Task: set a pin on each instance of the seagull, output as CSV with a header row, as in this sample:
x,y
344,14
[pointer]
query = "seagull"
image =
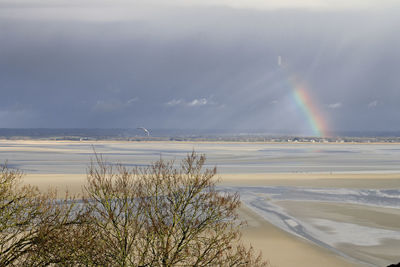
x,y
145,130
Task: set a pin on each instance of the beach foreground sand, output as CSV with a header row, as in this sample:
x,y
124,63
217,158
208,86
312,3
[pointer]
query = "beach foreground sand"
x,y
354,215
299,199
322,180
281,248
74,182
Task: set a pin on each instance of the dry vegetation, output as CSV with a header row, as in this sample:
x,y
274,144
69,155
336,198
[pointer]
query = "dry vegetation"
x,y
155,216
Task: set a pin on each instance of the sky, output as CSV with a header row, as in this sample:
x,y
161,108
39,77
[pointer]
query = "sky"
x,y
210,64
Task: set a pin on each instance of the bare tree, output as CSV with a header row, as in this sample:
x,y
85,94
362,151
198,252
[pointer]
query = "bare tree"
x,y
165,216
28,220
19,211
161,215
115,199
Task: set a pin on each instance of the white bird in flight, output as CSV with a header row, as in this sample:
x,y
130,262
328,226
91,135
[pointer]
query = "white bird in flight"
x,y
145,130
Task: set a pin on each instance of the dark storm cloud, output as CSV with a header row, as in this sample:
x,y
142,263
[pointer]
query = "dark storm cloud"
x,y
196,66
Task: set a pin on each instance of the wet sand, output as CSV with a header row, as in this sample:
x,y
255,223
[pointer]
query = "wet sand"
x,y
71,183
282,248
236,158
335,166
369,234
322,180
74,182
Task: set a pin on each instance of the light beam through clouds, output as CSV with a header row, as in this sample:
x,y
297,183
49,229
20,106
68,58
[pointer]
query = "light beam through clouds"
x,y
96,63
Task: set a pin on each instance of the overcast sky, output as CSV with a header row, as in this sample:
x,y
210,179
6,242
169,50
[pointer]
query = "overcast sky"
x,y
209,64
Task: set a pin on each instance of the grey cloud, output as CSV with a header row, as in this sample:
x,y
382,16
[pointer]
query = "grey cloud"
x,y
373,104
85,70
335,105
307,4
14,118
197,102
118,8
174,102
132,100
109,105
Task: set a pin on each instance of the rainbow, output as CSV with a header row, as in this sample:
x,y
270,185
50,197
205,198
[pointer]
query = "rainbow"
x,y
307,105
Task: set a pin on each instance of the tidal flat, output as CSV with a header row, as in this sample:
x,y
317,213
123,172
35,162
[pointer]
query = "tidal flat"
x,y
306,204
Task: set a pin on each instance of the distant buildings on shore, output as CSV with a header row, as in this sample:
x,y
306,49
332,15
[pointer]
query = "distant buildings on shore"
x,y
260,139
82,135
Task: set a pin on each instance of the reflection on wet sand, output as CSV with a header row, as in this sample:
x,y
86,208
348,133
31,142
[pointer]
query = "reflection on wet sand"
x,y
336,203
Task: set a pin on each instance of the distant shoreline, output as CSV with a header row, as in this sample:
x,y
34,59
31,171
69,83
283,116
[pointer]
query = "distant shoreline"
x,y
193,135
196,141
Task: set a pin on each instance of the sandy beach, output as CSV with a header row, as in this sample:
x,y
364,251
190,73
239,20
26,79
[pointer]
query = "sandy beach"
x,y
380,250
283,249
278,246
351,224
298,199
330,180
74,182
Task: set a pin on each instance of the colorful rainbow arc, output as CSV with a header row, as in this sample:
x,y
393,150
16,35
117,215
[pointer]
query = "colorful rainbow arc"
x,y
306,104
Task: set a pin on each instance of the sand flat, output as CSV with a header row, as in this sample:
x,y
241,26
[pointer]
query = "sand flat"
x,y
385,218
280,247
283,249
366,233
73,156
330,180
342,180
62,165
361,225
71,183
